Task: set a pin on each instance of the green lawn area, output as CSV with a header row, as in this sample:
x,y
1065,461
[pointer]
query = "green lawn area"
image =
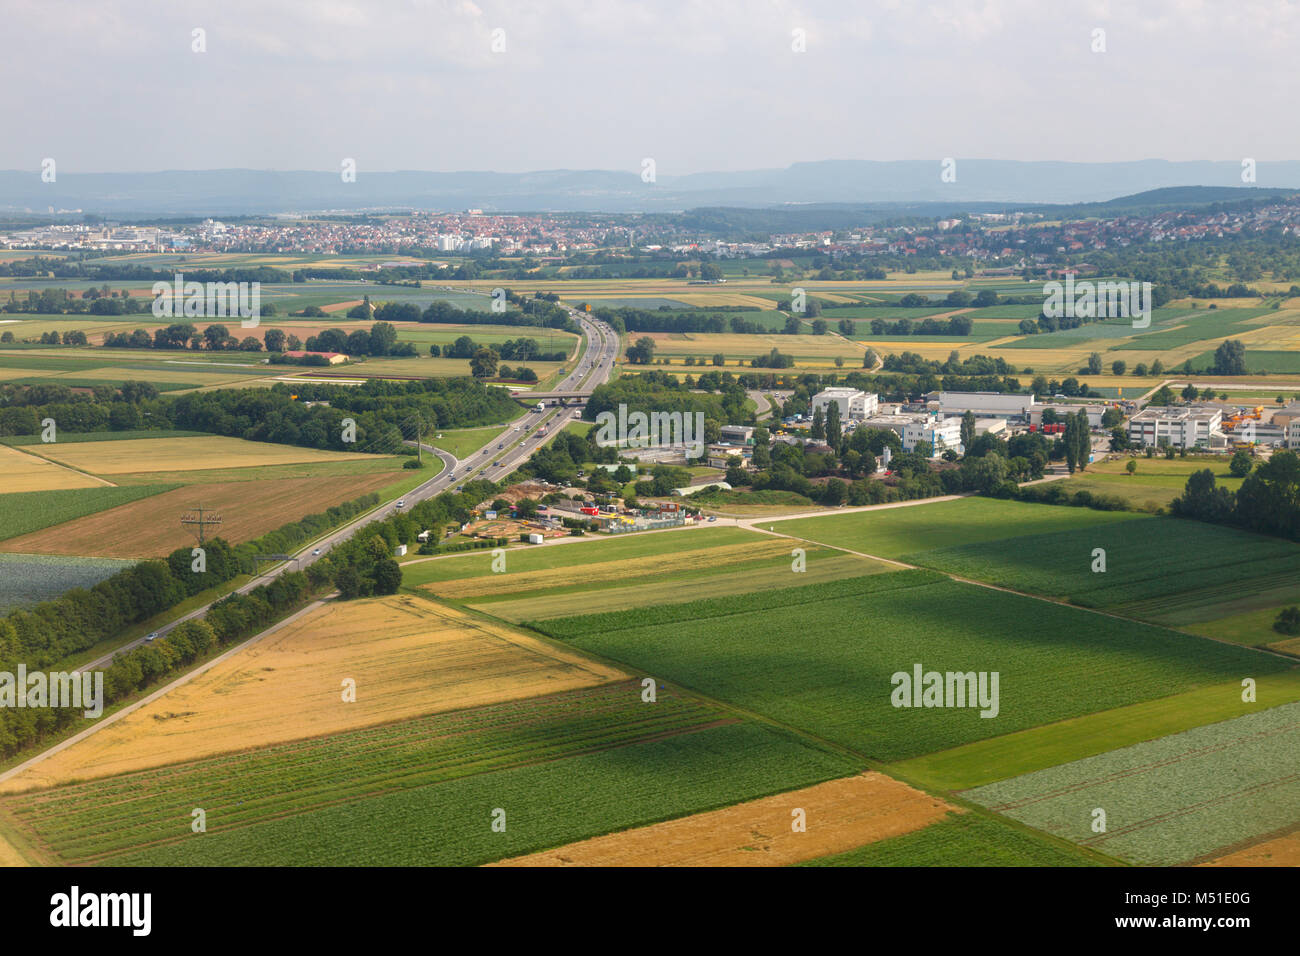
x,y
821,658
894,532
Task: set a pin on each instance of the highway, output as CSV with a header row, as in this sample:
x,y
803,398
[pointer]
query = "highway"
x,y
498,457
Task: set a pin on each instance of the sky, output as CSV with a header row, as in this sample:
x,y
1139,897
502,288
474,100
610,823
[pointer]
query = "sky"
x,y
716,85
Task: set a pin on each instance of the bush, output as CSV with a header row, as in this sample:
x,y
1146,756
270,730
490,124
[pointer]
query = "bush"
x,y
1288,622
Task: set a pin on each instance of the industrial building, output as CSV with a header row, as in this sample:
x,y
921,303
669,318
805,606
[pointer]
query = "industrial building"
x,y
987,404
854,405
1181,427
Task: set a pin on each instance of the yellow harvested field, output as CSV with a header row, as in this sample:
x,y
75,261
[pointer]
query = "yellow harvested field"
x,y
9,855
183,454
1282,851
840,815
407,656
589,574
20,471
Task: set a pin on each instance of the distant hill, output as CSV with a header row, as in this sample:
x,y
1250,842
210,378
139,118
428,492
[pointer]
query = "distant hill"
x,y
230,192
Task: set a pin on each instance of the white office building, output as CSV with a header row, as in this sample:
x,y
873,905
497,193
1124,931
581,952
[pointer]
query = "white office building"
x,y
1181,427
854,405
941,433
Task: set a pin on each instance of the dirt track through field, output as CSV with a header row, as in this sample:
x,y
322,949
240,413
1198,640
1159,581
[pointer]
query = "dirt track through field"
x,y
841,815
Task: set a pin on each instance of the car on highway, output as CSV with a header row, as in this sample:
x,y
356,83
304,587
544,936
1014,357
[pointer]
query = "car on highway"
x,y
315,553
401,503
501,445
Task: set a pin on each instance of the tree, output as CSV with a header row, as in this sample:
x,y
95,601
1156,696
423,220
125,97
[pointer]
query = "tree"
x,y
214,336
1190,392
818,431
1241,464
383,337
1202,499
483,364
719,359
348,582
968,429
388,576
1288,621
1118,367
833,429
1132,466
274,340
1230,358
642,353
1094,364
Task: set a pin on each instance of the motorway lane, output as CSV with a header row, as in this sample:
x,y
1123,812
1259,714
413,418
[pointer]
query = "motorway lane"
x,y
593,369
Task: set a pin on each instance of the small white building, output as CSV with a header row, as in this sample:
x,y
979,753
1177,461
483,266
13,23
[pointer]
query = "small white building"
x,y
853,404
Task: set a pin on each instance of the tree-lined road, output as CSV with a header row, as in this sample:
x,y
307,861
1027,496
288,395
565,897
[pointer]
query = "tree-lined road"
x,y
498,457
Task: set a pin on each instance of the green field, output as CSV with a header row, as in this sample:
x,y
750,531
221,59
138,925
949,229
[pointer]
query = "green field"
x,y
894,532
966,839
27,579
421,792
575,554
1167,570
1171,800
987,761
820,658
26,511
1193,327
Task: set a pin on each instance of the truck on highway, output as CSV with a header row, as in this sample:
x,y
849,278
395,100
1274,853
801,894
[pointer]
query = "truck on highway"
x,y
542,431
541,406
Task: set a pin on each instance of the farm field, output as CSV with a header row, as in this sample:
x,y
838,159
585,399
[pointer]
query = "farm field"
x,y
820,658
576,553
823,565
24,471
1168,570
151,527
27,579
1156,482
183,454
840,814
605,572
963,839
987,761
422,791
894,532
24,512
1282,851
1171,800
408,657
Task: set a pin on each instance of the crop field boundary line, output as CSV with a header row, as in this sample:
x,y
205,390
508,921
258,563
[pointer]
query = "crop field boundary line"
x,y
820,743
1280,655
178,682
59,464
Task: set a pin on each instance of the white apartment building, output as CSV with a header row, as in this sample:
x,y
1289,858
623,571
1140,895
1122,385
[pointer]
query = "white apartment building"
x,y
854,405
1293,434
1181,427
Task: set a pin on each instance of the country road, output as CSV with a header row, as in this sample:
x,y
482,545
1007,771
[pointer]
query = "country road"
x,y
498,457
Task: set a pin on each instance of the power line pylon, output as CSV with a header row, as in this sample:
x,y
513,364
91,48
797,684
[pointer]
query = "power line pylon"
x,y
202,519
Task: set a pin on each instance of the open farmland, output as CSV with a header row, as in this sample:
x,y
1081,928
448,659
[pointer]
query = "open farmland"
x,y
1281,851
1171,800
151,527
965,839
24,471
408,657
1037,748
894,532
821,658
182,454
27,579
422,791
692,583
26,511
840,814
1167,570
